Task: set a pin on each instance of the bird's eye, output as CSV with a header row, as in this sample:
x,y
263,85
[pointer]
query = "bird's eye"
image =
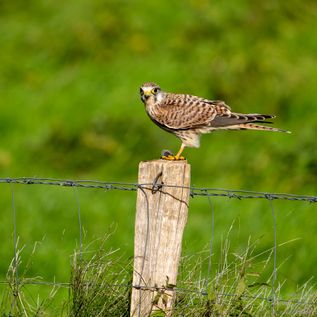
x,y
155,90
141,91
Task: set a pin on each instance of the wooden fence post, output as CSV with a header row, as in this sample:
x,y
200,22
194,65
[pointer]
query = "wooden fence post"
x,y
161,216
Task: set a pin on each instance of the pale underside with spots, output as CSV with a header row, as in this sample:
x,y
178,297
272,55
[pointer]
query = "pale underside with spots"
x,y
187,116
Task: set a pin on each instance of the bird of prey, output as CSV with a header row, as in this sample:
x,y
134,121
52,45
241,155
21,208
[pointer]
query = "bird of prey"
x,y
187,116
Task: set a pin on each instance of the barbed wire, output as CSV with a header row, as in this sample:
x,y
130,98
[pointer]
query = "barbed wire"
x,y
177,290
194,191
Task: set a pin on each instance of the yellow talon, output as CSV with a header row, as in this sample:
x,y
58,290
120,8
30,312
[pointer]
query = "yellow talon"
x,y
173,158
168,155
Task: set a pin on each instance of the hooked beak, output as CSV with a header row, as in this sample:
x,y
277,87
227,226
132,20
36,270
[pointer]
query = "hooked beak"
x,y
144,98
146,94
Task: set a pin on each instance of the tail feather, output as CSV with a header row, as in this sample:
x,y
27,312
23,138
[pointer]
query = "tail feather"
x,y
239,121
234,118
253,126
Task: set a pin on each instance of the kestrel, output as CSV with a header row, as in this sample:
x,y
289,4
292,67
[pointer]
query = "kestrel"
x,y
187,116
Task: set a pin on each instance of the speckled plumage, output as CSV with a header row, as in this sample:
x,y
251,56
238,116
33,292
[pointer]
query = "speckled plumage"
x,y
188,116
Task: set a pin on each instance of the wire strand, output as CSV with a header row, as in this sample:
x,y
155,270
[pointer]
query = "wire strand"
x,y
194,191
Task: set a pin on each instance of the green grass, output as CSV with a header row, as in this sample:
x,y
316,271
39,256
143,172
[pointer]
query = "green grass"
x,y
100,285
69,79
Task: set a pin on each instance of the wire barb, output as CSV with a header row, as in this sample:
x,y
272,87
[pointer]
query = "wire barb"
x,y
157,186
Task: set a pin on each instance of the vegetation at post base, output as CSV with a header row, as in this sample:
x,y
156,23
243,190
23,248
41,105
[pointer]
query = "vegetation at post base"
x,y
100,285
70,109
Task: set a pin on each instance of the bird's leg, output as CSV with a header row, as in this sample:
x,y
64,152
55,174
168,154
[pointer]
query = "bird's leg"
x,y
176,157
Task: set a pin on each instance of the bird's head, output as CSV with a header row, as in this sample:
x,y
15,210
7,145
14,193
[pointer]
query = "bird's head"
x,y
150,92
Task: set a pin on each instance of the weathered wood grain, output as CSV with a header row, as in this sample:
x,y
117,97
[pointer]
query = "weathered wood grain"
x,y
161,216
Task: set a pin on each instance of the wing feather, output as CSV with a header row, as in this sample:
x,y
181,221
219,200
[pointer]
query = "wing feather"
x,y
183,112
179,111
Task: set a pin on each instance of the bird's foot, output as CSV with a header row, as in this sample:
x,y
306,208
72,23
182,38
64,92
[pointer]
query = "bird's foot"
x,y
169,156
172,158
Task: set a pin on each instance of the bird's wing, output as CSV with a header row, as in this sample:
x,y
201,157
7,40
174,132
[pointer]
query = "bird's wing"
x,y
190,112
179,111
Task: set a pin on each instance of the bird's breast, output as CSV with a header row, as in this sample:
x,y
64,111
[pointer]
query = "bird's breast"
x,y
154,110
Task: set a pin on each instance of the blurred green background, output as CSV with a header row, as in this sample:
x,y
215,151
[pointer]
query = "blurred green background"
x,y
69,81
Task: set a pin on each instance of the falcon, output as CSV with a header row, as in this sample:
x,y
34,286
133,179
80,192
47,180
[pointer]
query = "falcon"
x,y
187,116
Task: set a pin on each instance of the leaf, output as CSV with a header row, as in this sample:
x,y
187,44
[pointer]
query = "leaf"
x,y
156,299
241,287
258,284
158,313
